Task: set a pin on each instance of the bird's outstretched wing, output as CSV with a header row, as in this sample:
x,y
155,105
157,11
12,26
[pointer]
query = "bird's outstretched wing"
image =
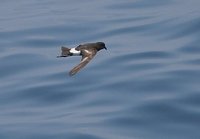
x,y
87,55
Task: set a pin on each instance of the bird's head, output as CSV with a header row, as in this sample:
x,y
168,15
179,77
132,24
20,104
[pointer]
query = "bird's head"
x,y
101,45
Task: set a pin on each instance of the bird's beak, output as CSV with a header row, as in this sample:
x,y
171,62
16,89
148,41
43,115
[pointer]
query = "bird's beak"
x,y
105,48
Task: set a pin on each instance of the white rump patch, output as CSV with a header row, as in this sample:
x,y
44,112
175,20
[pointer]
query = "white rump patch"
x,y
74,51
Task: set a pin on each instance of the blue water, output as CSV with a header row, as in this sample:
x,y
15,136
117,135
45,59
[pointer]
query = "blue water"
x,y
145,86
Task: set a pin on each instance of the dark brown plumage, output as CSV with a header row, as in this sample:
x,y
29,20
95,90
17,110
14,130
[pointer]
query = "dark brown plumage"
x,y
87,51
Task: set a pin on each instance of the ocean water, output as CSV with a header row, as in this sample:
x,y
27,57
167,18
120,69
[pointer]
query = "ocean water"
x,y
145,86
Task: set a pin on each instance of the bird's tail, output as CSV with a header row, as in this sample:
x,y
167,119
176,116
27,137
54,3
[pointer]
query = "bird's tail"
x,y
65,52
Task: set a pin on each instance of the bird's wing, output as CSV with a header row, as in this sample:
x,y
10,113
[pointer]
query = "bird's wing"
x,y
87,55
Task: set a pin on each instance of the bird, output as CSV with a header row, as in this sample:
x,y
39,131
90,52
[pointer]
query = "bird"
x,y
87,51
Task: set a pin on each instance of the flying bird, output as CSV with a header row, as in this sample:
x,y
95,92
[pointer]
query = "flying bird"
x,y
87,51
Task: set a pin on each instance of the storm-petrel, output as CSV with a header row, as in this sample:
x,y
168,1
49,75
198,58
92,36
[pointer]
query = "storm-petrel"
x,y
87,51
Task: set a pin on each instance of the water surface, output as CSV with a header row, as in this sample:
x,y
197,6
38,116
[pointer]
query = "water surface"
x,y
146,86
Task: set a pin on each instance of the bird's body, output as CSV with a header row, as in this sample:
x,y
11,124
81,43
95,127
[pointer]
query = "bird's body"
x,y
75,52
87,51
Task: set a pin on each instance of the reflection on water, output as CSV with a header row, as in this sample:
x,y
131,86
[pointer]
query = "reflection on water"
x,y
145,86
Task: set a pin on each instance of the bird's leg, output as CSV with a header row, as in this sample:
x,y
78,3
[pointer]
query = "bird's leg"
x,y
61,56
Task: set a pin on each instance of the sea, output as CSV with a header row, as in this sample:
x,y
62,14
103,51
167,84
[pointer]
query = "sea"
x,y
145,86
